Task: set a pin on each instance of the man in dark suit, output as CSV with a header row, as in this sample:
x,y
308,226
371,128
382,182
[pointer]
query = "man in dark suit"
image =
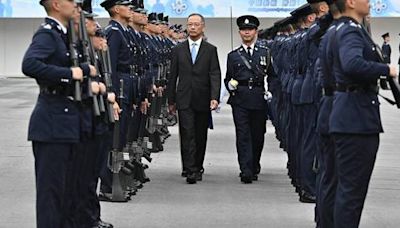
x,y
195,67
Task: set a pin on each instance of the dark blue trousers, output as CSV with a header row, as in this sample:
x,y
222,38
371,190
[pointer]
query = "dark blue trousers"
x,y
53,166
102,148
297,141
85,168
130,95
105,172
250,128
328,181
308,176
355,159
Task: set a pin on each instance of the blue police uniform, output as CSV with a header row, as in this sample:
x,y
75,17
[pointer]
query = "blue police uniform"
x,y
118,40
138,56
326,146
54,127
310,112
248,104
355,119
275,52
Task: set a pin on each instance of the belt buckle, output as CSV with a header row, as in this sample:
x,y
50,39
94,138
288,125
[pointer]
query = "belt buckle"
x,y
132,70
251,83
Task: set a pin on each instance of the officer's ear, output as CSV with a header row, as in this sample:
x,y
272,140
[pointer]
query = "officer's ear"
x,y
323,7
351,4
116,9
55,5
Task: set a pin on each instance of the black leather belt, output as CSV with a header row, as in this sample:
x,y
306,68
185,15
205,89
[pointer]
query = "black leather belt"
x,y
54,91
357,88
250,83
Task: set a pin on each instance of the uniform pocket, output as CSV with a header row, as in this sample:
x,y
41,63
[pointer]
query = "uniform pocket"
x,y
65,126
367,100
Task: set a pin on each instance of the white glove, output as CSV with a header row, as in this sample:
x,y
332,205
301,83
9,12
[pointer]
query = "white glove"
x,y
267,96
232,84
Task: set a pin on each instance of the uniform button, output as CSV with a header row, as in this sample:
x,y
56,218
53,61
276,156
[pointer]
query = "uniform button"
x,y
66,110
373,102
250,61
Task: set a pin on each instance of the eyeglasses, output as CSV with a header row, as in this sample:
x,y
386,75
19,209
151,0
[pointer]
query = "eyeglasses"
x,y
194,24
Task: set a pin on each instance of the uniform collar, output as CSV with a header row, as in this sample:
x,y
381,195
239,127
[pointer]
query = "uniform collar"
x,y
251,46
60,26
122,26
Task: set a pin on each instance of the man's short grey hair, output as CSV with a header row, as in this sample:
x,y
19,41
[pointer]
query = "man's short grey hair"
x,y
197,14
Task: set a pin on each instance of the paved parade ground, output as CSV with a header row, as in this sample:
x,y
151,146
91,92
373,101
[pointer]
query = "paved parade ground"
x,y
220,200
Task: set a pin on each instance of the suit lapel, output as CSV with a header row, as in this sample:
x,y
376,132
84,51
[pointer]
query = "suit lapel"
x,y
187,50
201,51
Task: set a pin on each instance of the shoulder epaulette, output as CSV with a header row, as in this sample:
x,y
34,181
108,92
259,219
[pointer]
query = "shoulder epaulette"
x,y
354,24
340,26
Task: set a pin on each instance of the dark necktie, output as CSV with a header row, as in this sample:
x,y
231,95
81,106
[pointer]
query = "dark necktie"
x,y
249,51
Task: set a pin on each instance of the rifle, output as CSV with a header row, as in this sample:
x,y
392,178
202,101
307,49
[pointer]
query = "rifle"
x,y
93,53
134,170
164,102
141,149
116,160
152,120
106,69
84,39
73,49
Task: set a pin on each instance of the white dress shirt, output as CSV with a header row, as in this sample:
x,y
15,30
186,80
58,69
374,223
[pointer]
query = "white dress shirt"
x,y
198,42
251,46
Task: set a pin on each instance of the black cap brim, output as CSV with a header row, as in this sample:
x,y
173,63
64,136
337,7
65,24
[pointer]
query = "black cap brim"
x,y
248,26
90,15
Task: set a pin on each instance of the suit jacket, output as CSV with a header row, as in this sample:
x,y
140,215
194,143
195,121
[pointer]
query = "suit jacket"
x,y
194,85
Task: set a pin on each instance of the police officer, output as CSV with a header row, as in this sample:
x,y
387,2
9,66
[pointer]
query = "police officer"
x,y
304,17
155,53
94,131
247,67
54,124
309,99
139,57
120,50
386,50
355,119
327,166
